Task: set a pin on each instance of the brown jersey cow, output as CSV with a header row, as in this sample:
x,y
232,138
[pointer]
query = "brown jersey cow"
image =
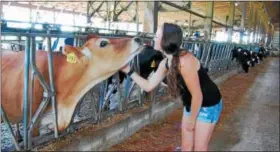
x,y
96,60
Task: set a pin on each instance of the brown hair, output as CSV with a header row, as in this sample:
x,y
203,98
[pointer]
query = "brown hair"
x,y
171,41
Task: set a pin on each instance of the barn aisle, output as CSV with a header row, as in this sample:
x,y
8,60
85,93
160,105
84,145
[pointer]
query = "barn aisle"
x,y
254,126
249,121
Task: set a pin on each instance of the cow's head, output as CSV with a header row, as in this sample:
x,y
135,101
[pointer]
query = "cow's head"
x,y
105,53
95,61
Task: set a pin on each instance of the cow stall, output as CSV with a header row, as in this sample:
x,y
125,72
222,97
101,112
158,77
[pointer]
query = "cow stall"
x,y
49,93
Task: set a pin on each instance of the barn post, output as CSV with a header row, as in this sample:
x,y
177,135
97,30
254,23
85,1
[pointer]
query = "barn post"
x,y
230,21
255,15
19,42
151,16
269,35
243,19
209,7
150,26
137,17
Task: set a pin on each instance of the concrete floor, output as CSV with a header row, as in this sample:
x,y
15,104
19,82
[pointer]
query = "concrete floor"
x,y
254,126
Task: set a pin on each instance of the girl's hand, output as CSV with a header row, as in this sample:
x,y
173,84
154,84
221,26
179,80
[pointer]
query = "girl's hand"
x,y
125,68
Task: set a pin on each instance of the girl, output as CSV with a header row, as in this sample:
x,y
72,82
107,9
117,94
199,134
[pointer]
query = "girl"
x,y
187,80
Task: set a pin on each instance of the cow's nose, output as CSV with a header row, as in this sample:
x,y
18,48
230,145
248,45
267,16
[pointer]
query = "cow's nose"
x,y
138,40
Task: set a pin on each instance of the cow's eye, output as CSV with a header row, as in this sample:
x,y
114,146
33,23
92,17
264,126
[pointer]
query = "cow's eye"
x,y
103,43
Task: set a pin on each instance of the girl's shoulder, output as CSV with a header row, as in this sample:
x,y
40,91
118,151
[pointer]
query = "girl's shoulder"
x,y
188,60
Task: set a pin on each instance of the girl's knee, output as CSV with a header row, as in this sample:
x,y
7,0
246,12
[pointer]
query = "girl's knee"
x,y
201,147
187,147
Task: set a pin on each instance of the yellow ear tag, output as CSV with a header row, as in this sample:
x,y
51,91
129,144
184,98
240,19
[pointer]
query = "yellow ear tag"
x,y
153,64
71,58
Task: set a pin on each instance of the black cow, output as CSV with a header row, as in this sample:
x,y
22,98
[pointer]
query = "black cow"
x,y
262,53
243,57
254,58
149,60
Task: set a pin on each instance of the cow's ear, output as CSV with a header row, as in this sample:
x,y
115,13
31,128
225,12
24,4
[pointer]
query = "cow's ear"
x,y
73,54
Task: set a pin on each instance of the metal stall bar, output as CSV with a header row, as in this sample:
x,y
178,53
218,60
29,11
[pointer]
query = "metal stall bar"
x,y
213,58
229,54
216,57
204,54
219,57
195,47
121,108
222,60
35,69
10,130
108,91
129,84
46,93
226,58
25,92
32,56
210,56
236,64
192,48
209,52
52,87
139,71
101,99
200,52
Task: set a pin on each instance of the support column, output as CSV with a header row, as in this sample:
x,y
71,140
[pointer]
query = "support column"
x,y
257,31
151,16
137,17
30,12
251,21
262,32
269,35
209,10
190,24
243,19
19,42
255,25
230,21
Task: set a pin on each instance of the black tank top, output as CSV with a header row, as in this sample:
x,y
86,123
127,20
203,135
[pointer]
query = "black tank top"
x,y
210,92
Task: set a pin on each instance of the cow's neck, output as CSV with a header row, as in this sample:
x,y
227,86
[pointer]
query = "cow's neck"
x,y
83,82
88,80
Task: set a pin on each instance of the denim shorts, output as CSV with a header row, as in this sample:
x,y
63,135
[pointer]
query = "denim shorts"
x,y
208,114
